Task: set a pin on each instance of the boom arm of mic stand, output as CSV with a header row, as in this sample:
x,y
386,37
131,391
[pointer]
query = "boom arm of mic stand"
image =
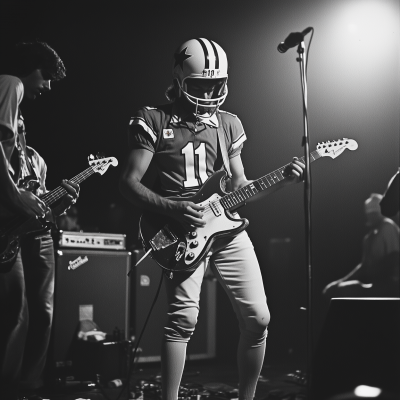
x,y
307,211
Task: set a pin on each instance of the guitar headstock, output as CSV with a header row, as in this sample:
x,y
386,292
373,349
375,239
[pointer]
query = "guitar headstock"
x,y
100,165
335,148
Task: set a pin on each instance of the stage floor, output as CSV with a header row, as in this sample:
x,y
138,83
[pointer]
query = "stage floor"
x,y
208,379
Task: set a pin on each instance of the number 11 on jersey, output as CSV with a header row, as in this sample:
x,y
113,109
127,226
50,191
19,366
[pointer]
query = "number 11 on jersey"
x,y
194,179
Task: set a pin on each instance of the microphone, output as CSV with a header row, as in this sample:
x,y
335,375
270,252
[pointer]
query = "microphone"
x,y
293,40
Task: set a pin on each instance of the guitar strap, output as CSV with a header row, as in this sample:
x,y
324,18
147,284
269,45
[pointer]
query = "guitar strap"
x,y
222,145
26,167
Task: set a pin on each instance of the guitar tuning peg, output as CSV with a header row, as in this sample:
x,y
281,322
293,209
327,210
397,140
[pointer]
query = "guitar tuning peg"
x,y
91,157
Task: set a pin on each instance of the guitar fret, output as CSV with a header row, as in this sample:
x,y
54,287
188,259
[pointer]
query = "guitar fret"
x,y
253,188
280,172
224,203
241,195
264,183
270,180
233,198
229,201
257,186
247,190
276,177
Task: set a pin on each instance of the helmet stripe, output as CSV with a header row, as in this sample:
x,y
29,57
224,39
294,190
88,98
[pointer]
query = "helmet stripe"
x,y
216,54
206,55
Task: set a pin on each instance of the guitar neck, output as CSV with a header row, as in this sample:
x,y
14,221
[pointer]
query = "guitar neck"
x,y
56,194
238,197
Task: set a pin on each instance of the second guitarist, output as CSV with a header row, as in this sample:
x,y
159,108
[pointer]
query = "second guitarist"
x,y
26,290
188,140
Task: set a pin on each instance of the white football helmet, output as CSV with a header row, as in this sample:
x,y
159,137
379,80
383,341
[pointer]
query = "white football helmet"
x,y
201,59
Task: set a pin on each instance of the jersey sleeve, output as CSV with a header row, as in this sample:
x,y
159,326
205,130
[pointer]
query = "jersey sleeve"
x,y
143,132
234,132
11,94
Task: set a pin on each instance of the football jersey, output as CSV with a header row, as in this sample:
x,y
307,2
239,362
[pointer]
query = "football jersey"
x,y
186,151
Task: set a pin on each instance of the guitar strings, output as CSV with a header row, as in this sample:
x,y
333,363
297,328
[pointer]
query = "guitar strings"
x,y
57,193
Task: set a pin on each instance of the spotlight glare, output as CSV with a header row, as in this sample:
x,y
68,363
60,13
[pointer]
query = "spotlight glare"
x,y
367,391
352,28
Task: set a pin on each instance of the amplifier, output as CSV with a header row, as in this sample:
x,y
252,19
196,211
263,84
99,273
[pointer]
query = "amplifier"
x,y
98,285
87,240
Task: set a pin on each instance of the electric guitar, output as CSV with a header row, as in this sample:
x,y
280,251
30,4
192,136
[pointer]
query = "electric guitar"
x,y
174,249
12,229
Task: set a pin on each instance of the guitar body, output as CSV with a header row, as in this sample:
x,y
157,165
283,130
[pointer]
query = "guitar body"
x,y
190,248
9,248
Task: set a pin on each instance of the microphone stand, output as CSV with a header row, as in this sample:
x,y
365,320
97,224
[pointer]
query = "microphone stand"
x,y
307,209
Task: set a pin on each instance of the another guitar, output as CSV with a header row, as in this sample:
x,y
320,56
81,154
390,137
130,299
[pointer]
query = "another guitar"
x,y
13,228
174,249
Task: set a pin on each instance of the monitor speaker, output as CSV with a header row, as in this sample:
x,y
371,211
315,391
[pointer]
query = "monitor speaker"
x,y
146,276
89,284
359,345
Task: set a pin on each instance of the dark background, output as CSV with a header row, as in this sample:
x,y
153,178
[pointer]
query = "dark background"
x,y
118,57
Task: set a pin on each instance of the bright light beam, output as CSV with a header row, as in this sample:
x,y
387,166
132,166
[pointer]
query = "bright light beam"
x,y
367,391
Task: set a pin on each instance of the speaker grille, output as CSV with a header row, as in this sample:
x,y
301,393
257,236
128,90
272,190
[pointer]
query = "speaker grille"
x,y
99,281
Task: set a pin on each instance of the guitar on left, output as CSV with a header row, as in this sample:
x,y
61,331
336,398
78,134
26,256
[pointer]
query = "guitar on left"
x,y
12,229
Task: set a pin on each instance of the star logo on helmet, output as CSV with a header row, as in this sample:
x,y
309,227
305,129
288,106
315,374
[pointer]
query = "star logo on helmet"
x,y
181,57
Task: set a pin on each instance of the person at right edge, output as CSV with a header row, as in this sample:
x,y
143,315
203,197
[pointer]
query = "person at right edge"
x,y
183,139
377,275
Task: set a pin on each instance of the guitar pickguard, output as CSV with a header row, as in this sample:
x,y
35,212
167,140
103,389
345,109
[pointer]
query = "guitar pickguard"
x,y
217,223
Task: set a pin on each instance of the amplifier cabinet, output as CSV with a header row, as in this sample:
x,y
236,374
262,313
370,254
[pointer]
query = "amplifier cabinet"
x,y
89,283
146,276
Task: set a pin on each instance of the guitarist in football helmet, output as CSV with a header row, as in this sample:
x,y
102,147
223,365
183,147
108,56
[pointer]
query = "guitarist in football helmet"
x,y
26,290
182,139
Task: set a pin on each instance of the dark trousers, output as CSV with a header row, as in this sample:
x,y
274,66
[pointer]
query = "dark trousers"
x,y
26,313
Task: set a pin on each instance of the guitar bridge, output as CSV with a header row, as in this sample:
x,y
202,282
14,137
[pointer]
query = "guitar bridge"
x,y
180,251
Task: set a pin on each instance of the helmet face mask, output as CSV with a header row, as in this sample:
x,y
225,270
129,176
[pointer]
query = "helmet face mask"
x,y
205,94
202,60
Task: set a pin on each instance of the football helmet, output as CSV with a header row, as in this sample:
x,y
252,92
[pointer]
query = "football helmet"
x,y
201,59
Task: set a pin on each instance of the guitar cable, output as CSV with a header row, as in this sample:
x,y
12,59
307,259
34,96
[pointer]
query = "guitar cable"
x,y
132,358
